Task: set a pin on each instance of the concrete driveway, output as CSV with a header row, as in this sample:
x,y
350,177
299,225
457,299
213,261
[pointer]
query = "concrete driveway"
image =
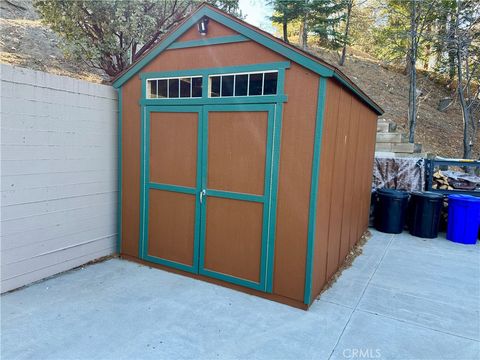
x,y
403,298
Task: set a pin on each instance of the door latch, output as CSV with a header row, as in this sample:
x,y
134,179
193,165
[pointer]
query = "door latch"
x,y
202,194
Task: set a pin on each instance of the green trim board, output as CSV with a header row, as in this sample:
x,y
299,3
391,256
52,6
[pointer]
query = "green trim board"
x,y
265,272
174,188
260,99
312,213
119,172
143,203
234,195
277,131
208,41
218,70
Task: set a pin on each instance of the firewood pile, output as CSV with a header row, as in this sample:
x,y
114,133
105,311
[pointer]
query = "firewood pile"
x,y
451,180
440,181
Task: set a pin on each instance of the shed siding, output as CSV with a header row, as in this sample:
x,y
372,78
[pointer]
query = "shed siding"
x,y
344,183
295,158
214,30
131,125
298,129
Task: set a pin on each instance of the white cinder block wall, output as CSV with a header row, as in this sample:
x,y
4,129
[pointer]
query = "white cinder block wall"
x,y
58,174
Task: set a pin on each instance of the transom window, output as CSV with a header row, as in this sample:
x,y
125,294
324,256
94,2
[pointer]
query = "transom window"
x,y
243,84
181,87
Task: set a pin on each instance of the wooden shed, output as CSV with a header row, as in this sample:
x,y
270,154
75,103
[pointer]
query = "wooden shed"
x,y
243,160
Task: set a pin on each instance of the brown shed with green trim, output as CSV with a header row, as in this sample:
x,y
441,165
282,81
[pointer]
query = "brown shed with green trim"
x,y
244,161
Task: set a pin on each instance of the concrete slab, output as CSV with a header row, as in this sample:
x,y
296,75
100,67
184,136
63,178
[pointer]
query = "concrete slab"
x,y
405,296
383,338
461,321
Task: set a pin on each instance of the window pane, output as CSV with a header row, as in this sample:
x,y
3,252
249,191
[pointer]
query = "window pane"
x,y
215,86
153,89
173,88
227,85
270,84
241,85
185,87
197,87
162,88
255,84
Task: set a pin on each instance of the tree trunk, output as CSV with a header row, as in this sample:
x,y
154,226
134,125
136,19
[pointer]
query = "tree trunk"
x,y
341,62
466,115
285,30
304,26
451,54
412,94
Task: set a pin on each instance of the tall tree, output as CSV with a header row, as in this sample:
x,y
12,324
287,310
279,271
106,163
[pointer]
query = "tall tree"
x,y
285,12
109,34
346,33
325,17
466,48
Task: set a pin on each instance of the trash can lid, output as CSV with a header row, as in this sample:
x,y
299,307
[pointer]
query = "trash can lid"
x,y
427,194
461,197
399,194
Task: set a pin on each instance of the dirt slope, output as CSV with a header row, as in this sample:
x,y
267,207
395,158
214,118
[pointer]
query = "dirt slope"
x,y
25,42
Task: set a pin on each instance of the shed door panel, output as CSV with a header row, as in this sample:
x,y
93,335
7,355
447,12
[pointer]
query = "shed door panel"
x,y
173,148
237,160
236,151
171,226
234,238
172,210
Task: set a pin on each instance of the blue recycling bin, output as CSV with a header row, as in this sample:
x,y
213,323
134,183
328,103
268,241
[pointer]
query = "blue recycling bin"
x,y
463,218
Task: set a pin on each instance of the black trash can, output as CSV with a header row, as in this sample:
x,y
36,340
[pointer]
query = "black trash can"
x,y
390,210
424,214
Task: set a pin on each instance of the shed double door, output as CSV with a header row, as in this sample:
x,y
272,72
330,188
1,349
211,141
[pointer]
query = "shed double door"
x,y
206,190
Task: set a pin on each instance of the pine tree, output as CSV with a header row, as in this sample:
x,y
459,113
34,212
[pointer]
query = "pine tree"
x,y
285,12
325,18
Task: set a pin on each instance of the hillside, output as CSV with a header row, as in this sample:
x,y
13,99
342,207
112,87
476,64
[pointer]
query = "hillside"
x,y
25,42
439,132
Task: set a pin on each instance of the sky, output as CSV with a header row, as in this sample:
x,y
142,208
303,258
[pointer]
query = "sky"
x,y
256,12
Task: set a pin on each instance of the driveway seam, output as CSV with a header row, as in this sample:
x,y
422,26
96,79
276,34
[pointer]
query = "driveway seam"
x,y
416,324
361,296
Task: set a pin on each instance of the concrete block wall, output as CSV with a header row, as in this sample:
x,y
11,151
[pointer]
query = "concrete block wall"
x,y
58,174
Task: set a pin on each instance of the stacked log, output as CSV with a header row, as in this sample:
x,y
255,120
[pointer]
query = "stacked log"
x,y
440,181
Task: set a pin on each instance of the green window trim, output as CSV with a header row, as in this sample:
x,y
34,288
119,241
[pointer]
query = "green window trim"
x,y
205,99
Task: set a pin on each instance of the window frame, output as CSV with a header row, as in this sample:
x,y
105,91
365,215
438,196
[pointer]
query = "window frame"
x,y
270,67
179,78
234,74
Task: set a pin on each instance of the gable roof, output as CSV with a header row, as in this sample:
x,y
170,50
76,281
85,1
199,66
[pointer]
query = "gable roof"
x,y
295,54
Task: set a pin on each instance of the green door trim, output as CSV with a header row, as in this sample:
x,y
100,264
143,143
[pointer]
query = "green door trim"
x,y
269,198
146,185
265,265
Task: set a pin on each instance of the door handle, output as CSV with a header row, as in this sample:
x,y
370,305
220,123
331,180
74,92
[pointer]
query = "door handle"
x,y
202,194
